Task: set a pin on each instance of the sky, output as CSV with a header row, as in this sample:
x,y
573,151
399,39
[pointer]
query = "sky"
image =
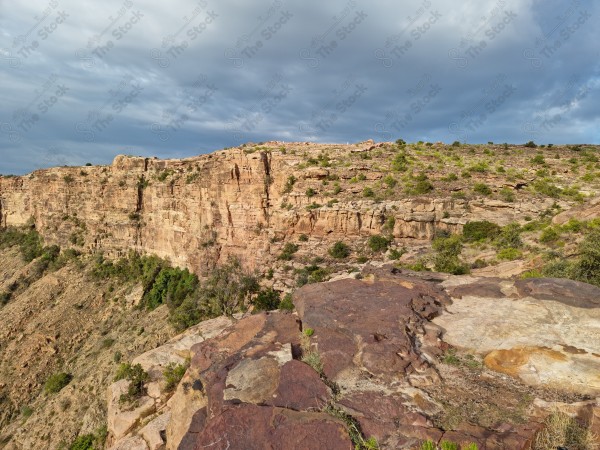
x,y
85,81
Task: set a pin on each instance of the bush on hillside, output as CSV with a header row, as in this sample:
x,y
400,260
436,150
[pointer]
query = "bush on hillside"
x,y
480,230
55,383
339,250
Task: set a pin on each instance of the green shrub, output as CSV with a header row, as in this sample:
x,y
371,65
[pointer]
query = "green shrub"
x,y
309,332
510,236
303,238
395,254
507,195
557,269
136,376
546,188
339,250
549,235
266,300
227,289
289,184
538,159
509,254
450,177
587,266
530,144
390,181
122,371
480,167
310,192
480,230
26,412
419,266
388,226
368,192
482,188
419,185
171,286
163,175
400,162
173,374
446,258
84,442
428,445
378,243
287,253
90,441
447,445
311,274
287,303
28,240
55,383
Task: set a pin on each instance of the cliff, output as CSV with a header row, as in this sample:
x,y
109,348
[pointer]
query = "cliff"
x,y
246,202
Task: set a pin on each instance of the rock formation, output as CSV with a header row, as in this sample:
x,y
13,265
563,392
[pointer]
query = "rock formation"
x,y
376,368
238,202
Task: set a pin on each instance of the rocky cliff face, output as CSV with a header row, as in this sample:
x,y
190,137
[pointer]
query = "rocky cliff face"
x,y
239,202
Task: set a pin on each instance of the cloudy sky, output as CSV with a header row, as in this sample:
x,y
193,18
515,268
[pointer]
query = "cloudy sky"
x,y
84,81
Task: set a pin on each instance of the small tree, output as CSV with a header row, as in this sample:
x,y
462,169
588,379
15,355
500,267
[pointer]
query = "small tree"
x,y
137,377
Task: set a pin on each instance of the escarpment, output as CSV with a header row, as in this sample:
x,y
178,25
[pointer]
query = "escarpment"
x,y
243,202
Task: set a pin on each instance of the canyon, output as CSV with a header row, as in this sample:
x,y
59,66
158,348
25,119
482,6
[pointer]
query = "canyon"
x,y
379,349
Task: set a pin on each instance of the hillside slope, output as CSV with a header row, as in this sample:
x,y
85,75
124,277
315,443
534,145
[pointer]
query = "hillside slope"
x,y
64,322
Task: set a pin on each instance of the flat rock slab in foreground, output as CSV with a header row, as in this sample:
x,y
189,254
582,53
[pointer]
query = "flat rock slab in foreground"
x,y
544,331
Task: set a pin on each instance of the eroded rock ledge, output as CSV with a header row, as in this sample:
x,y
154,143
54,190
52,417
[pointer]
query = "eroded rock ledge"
x,y
380,342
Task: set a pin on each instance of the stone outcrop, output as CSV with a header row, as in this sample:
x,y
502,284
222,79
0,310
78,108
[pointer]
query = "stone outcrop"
x,y
363,358
149,415
544,331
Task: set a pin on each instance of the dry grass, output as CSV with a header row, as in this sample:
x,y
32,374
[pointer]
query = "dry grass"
x,y
310,356
562,430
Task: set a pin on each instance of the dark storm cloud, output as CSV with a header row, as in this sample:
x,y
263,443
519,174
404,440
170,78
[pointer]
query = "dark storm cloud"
x,y
82,82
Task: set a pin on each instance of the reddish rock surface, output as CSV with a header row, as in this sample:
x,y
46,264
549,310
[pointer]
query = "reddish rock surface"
x,y
379,351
